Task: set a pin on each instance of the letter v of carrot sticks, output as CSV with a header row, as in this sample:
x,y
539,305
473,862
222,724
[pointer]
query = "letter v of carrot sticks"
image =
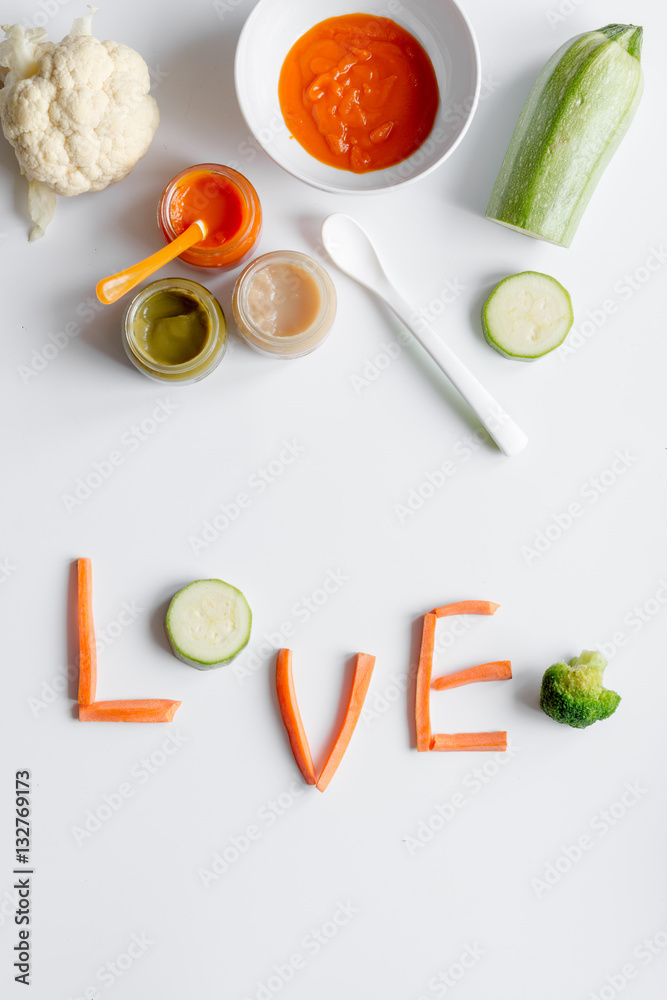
x,y
291,716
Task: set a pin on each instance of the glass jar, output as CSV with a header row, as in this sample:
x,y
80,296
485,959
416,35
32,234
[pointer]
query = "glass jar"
x,y
175,331
284,304
220,196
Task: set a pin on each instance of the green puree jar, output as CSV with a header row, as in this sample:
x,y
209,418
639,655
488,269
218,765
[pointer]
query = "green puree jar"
x,y
175,331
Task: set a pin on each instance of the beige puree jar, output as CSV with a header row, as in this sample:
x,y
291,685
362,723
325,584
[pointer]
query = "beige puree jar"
x,y
284,304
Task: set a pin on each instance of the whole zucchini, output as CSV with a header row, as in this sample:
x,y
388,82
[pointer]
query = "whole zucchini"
x,y
570,127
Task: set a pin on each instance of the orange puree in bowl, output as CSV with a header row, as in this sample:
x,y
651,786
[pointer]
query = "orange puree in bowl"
x,y
358,92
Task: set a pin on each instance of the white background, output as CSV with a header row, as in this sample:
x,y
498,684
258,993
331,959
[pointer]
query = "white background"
x,y
334,510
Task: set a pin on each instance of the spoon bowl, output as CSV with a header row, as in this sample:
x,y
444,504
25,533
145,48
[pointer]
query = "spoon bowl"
x,y
352,251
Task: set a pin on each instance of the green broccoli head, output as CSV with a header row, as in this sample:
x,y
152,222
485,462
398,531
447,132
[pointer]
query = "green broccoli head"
x,y
573,693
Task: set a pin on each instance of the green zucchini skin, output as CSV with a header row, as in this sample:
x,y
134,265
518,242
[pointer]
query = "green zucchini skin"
x,y
571,125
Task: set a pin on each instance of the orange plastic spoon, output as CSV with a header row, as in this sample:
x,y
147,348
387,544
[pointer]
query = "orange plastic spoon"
x,y
112,288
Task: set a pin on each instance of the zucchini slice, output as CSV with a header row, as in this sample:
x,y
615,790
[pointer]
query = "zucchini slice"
x,y
527,315
208,623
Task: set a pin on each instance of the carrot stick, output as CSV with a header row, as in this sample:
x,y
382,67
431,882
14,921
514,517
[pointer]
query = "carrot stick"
x,y
469,741
423,683
498,670
151,710
87,647
289,710
466,608
363,671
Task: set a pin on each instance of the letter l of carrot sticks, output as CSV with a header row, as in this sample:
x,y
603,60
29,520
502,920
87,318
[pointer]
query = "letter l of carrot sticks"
x,y
134,710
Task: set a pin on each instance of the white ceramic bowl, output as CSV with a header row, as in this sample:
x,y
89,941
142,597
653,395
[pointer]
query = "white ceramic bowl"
x,y
272,28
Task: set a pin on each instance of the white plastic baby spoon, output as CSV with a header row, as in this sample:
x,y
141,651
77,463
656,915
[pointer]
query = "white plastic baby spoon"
x,y
351,249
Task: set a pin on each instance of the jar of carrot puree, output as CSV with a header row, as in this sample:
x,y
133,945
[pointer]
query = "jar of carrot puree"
x,y
284,304
228,205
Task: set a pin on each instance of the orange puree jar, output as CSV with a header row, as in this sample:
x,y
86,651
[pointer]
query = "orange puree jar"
x,y
225,201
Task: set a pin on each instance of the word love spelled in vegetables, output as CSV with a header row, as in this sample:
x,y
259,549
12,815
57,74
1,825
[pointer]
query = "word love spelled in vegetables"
x,y
77,112
580,108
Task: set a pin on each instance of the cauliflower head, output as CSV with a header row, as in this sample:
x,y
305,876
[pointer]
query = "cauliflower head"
x,y
78,112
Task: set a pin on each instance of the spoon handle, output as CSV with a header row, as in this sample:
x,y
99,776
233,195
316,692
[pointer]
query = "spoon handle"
x,y
112,288
509,438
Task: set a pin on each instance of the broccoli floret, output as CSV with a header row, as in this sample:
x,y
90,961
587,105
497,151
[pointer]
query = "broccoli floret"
x,y
573,693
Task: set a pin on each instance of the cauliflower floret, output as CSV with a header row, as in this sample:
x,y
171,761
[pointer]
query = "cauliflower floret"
x,y
78,113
